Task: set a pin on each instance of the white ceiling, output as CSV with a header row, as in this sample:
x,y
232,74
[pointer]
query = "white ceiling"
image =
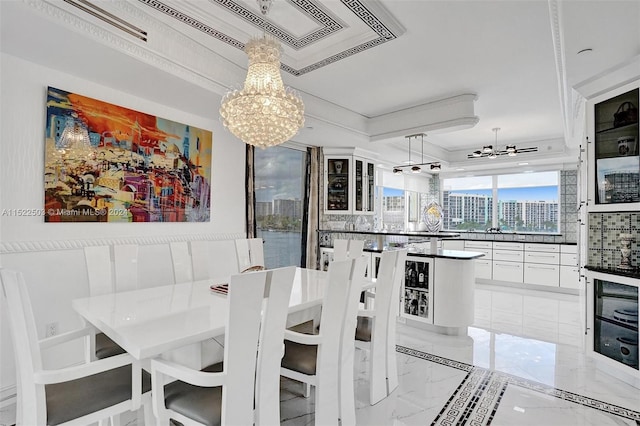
x,y
369,71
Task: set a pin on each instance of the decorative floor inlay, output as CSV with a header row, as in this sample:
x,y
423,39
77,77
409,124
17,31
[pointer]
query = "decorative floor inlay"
x,y
477,398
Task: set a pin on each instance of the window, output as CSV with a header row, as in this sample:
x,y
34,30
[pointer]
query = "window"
x,y
392,208
279,189
528,202
523,202
467,203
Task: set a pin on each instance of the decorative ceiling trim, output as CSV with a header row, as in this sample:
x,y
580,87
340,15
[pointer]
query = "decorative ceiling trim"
x,y
330,24
384,31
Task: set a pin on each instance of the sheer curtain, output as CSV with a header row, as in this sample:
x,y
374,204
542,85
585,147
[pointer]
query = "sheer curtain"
x,y
250,195
311,209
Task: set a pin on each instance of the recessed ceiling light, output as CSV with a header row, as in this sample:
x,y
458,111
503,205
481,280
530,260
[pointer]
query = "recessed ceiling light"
x,y
523,164
459,170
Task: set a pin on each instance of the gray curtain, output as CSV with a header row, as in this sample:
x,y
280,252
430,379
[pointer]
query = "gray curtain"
x,y
311,210
250,193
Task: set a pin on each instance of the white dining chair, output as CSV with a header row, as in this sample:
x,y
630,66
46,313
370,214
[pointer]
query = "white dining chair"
x,y
80,394
347,249
375,329
325,360
250,253
107,276
221,393
201,259
181,261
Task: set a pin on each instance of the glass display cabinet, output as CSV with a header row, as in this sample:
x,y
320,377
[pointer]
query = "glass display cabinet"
x,y
349,185
617,158
337,189
417,291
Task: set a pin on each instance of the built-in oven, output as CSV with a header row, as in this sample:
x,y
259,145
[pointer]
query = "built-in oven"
x,y
615,322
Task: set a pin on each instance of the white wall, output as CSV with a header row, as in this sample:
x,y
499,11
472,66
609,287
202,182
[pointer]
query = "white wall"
x,y
50,254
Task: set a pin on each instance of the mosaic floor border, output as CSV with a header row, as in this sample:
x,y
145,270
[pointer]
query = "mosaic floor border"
x,y
477,398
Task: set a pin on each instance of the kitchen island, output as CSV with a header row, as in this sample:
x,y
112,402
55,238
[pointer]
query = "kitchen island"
x,y
437,286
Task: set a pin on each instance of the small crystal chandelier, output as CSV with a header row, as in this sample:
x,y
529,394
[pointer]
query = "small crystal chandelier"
x,y
74,140
264,113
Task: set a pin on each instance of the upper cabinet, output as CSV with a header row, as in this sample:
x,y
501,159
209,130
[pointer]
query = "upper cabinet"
x,y
614,172
349,182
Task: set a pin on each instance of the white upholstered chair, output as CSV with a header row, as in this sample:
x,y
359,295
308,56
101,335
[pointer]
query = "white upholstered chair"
x,y
223,393
81,394
325,360
376,328
107,276
250,253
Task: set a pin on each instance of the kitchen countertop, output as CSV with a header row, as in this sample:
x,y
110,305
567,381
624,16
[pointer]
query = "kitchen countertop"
x,y
398,233
449,254
631,273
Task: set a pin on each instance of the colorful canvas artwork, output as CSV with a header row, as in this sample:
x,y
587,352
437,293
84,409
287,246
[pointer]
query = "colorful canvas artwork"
x,y
106,163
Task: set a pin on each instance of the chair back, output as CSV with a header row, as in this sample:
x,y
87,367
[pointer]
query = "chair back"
x,y
22,326
279,283
393,308
347,249
246,292
249,252
200,259
99,269
125,259
344,283
181,261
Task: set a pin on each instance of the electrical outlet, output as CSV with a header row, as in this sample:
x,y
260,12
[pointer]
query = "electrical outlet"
x,y
51,329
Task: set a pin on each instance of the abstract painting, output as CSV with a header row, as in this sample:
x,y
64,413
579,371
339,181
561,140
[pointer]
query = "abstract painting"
x,y
107,163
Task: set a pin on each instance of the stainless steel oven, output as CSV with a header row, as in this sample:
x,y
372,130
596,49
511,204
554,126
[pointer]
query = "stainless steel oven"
x,y
616,321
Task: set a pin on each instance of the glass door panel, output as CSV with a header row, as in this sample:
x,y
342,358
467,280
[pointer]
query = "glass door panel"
x,y
338,184
616,149
616,322
359,185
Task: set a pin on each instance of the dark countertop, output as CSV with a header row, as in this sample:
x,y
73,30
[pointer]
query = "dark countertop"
x,y
398,233
449,254
631,273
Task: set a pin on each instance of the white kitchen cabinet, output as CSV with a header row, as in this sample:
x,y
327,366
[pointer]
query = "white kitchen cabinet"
x,y
453,245
542,274
553,248
570,277
508,271
500,245
471,245
542,257
483,265
484,268
569,267
508,255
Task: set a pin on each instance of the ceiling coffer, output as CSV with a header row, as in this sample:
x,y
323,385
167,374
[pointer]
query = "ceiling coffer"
x,y
109,18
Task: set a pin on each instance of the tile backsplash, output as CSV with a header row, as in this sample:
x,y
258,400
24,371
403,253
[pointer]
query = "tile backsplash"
x,y
604,231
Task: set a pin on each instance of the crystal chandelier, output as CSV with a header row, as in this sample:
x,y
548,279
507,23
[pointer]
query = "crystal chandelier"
x,y
264,113
74,140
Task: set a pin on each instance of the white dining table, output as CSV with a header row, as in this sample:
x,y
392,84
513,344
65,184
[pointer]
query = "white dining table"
x,y
152,321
